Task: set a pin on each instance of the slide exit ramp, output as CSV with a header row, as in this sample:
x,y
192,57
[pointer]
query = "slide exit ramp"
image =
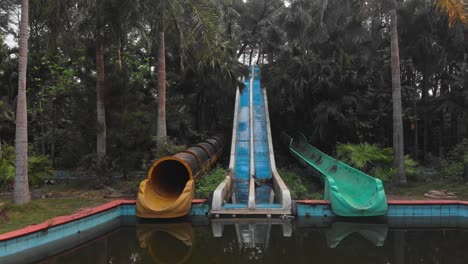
x,y
253,186
351,192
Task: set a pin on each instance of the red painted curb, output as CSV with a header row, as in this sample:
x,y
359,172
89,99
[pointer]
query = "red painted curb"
x,y
82,213
60,220
313,202
85,212
198,201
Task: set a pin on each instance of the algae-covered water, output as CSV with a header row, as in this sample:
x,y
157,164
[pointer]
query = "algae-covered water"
x,y
271,242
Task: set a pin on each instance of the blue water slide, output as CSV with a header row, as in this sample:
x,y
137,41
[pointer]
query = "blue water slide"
x,y
253,185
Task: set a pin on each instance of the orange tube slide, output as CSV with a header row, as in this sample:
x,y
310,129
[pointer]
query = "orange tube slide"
x,y
168,190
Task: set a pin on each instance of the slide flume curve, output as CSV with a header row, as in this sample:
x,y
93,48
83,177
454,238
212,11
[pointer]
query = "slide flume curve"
x,y
351,192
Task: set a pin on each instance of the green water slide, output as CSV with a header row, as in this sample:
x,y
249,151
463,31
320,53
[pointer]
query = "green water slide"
x,y
351,192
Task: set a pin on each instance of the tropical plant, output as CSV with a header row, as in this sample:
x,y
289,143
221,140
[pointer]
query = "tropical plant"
x,y
299,190
39,167
452,166
375,160
161,150
197,34
206,185
7,171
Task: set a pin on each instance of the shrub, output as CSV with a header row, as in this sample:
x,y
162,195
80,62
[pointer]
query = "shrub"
x,y
39,167
205,187
161,150
452,166
296,185
7,164
452,170
7,171
374,160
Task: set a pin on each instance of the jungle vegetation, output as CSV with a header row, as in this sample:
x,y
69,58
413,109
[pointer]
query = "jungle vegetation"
x,y
110,84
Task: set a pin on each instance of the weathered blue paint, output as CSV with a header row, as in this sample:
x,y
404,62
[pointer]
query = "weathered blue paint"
x,y
13,246
242,165
85,228
52,234
394,210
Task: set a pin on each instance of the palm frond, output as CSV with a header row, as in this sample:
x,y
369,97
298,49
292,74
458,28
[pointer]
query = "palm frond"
x,y
456,11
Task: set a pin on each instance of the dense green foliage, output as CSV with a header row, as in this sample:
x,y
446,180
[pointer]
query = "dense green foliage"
x,y
162,149
451,167
39,167
201,76
298,183
326,65
205,187
374,160
329,74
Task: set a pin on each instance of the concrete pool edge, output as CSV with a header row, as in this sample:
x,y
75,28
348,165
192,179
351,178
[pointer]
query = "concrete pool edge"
x,y
82,213
396,208
201,207
76,225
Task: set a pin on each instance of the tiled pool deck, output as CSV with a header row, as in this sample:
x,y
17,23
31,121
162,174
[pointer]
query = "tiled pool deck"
x,y
88,223
396,208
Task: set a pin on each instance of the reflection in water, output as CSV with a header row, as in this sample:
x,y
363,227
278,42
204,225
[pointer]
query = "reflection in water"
x,y
264,241
167,243
374,233
251,233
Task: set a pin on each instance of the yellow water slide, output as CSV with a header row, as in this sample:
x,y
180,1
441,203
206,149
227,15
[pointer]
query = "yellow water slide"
x,y
169,189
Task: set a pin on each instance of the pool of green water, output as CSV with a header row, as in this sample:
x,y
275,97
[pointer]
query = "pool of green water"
x,y
251,242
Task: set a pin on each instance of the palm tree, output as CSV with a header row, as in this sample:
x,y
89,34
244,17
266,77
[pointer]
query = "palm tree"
x,y
21,193
162,130
193,22
101,80
398,147
456,12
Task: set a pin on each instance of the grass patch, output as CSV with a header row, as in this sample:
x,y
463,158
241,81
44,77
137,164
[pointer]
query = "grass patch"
x,y
417,190
300,184
205,187
39,210
64,198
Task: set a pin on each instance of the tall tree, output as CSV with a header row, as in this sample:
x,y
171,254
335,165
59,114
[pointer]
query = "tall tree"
x,y
398,147
193,22
457,12
101,135
21,194
162,130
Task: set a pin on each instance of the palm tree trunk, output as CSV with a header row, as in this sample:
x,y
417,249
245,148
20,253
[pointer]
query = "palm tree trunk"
x,y
425,95
52,137
465,159
162,131
119,57
416,134
101,109
21,193
465,156
398,151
